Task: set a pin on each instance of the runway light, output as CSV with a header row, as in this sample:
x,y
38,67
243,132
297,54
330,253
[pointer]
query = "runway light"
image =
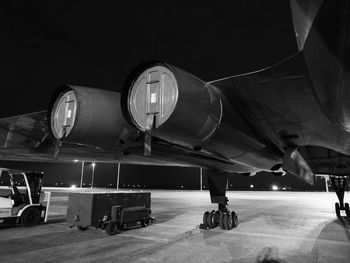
x,y
73,186
284,188
274,187
251,186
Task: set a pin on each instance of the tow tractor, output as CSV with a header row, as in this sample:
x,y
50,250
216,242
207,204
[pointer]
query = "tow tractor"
x,y
22,206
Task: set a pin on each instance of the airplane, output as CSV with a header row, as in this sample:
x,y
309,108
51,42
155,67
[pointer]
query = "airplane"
x,y
292,117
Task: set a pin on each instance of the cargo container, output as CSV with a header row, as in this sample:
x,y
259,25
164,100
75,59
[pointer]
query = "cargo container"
x,y
108,211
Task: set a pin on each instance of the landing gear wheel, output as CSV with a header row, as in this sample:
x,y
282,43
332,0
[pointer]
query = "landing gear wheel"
x,y
205,218
221,220
228,221
211,219
234,219
337,209
111,228
82,228
145,222
30,217
347,210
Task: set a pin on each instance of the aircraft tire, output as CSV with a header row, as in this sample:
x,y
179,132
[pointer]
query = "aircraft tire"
x,y
228,221
347,210
30,217
234,219
337,209
221,220
211,219
205,218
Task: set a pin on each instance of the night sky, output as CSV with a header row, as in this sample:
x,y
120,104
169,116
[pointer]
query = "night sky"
x,y
45,44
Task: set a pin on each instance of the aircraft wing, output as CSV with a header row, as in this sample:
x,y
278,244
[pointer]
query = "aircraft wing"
x,y
27,138
282,104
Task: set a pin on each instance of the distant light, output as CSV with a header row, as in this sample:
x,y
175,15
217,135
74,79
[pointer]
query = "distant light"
x,y
284,188
182,186
73,186
75,161
275,188
251,186
93,164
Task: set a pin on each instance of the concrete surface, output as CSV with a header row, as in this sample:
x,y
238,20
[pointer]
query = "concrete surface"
x,y
274,227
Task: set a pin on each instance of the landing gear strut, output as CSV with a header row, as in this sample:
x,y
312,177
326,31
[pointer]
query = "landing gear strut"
x,y
339,183
221,217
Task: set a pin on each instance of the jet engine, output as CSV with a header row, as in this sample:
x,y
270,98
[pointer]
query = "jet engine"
x,y
88,116
174,105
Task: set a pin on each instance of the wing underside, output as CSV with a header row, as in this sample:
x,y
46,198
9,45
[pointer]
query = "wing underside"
x,y
282,104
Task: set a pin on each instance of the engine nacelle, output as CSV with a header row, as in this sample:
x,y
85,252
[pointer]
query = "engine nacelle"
x,y
178,107
186,110
88,116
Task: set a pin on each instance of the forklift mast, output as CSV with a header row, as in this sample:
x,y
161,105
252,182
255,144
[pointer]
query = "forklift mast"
x,y
35,181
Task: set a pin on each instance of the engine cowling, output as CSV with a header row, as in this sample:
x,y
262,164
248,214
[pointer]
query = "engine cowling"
x,y
88,116
186,110
182,109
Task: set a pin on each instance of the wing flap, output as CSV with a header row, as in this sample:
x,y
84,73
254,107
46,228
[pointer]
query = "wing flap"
x,y
294,163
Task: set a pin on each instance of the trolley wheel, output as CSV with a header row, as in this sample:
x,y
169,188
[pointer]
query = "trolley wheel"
x,y
111,228
337,209
234,219
30,217
347,210
221,220
82,228
211,219
145,222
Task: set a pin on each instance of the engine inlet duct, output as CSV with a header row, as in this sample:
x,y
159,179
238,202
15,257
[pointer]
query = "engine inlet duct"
x,y
174,105
87,116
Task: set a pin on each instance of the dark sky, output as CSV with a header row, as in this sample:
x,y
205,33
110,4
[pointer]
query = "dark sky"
x,y
45,44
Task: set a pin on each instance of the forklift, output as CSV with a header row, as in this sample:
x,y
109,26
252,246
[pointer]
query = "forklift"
x,y
22,206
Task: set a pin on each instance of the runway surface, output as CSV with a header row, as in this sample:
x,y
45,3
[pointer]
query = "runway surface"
x,y
274,227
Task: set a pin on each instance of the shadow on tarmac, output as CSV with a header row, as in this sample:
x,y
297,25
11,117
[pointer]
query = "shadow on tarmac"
x,y
269,255
333,242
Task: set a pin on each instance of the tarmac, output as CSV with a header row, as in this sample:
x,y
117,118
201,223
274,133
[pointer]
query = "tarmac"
x,y
274,227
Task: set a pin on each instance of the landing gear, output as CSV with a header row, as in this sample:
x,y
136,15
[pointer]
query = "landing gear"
x,y
339,183
221,217
337,209
347,210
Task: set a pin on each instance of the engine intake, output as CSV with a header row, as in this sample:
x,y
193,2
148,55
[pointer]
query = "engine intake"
x,y
87,116
176,105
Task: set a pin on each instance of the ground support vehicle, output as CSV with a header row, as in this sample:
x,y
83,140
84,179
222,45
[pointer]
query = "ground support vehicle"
x,y
109,211
21,198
